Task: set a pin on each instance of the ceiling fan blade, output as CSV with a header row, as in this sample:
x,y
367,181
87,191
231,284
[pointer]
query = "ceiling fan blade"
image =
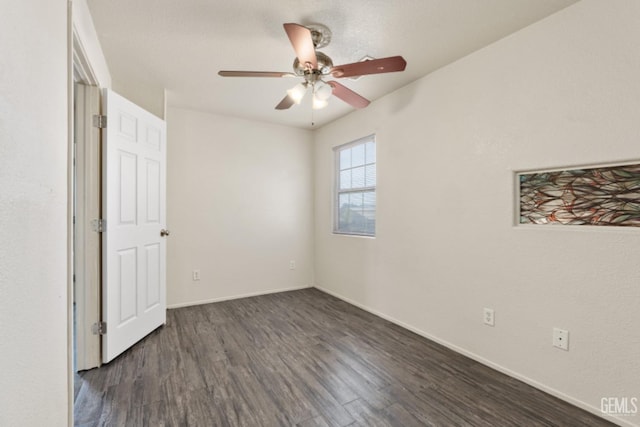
x,y
302,43
255,74
285,104
348,96
373,66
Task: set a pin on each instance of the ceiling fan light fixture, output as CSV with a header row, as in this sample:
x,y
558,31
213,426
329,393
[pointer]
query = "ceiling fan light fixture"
x,y
313,66
319,103
297,92
322,91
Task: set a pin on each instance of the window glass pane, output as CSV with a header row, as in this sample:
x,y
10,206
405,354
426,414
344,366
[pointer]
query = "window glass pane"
x,y
353,222
345,158
356,212
370,226
355,200
369,200
370,176
357,155
343,212
357,177
369,212
370,149
345,179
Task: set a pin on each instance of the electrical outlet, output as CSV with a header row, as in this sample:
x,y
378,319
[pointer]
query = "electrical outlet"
x,y
489,318
196,275
292,265
561,339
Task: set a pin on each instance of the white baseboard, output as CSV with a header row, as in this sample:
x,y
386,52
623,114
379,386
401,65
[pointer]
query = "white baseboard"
x,y
580,404
232,297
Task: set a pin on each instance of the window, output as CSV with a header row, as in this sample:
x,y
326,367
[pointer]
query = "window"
x,y
355,211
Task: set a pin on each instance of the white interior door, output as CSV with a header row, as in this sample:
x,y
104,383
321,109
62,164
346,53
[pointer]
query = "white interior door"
x,y
134,210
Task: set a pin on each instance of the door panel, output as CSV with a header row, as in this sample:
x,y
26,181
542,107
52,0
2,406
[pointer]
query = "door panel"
x,y
134,207
126,281
153,192
127,181
152,257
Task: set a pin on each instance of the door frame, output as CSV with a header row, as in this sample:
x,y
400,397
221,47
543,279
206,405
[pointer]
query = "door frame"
x,y
86,63
87,241
84,248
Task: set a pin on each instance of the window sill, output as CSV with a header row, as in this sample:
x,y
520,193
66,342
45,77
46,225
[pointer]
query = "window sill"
x,y
366,236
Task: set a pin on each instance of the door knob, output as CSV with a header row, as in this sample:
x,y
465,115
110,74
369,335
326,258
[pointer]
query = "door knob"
x,y
164,232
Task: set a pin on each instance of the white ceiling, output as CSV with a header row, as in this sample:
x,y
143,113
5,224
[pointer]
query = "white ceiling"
x,y
181,45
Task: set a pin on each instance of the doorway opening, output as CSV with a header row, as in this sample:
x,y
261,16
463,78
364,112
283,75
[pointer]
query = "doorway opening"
x,y
86,199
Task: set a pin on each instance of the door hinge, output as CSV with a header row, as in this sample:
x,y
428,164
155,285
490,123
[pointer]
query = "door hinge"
x,y
99,225
99,121
99,328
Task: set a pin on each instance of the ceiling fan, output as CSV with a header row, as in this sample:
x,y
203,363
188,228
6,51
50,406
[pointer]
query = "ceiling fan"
x,y
315,66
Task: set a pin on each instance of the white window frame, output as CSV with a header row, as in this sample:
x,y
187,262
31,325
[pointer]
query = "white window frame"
x,y
337,191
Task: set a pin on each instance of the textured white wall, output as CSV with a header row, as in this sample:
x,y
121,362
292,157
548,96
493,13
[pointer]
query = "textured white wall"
x,y
563,92
33,213
240,207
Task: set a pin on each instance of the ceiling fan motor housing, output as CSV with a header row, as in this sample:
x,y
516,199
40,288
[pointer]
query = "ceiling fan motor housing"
x,y
324,67
320,35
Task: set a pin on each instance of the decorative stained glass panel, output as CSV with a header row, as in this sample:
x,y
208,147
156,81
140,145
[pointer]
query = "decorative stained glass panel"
x,y
596,196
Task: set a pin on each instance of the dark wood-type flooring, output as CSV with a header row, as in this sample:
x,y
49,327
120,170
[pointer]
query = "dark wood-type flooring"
x,y
303,358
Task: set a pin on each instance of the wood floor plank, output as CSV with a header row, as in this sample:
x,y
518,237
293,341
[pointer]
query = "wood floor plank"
x,y
364,414
313,422
358,383
287,395
89,402
303,358
315,392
